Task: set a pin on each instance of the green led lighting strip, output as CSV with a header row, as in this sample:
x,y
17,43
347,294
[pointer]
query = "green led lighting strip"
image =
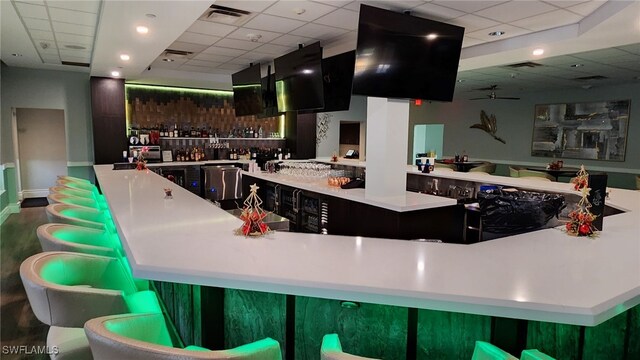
x,y
178,89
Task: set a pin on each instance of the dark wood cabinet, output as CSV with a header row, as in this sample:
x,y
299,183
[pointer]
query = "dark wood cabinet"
x,y
300,131
109,121
350,133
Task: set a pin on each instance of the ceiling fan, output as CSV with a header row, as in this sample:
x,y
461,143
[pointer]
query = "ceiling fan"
x,y
492,95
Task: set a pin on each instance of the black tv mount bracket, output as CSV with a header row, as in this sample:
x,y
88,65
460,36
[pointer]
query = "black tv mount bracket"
x,y
300,46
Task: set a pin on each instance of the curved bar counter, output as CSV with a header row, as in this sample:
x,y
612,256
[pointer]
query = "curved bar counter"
x,y
544,275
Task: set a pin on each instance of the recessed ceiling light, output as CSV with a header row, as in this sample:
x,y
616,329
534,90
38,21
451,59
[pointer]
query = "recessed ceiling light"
x,y
124,57
142,29
299,11
115,73
432,36
576,65
461,80
150,16
16,54
496,33
168,60
538,52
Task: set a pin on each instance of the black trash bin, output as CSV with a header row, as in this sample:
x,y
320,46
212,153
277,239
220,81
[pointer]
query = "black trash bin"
x,y
517,211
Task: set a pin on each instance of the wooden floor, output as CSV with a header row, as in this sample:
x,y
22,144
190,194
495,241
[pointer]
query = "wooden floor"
x,y
18,325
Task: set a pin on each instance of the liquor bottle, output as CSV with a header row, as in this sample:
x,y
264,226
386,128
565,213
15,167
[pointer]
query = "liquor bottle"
x,y
288,154
279,154
175,130
260,133
251,132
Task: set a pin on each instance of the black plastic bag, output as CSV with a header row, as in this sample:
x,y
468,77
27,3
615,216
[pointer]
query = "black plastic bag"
x,y
517,211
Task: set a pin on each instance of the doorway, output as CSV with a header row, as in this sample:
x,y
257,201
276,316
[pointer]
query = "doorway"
x,y
40,149
427,138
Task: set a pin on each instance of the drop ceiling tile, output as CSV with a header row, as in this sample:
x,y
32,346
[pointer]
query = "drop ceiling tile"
x,y
565,3
216,50
318,31
73,17
621,58
253,57
73,29
183,46
49,47
293,40
238,44
76,39
273,23
467,6
274,49
312,10
211,28
51,60
630,65
90,6
469,41
342,18
559,60
212,57
586,8
33,2
32,11
252,6
633,48
336,3
510,31
64,52
200,69
515,10
244,33
195,38
437,12
548,20
230,66
41,35
210,64
472,22
37,24
601,54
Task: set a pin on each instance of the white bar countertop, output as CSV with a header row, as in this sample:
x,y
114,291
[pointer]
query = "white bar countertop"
x,y
409,202
544,275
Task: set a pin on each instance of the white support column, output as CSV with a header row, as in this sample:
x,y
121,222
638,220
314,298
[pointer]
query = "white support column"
x,y
387,141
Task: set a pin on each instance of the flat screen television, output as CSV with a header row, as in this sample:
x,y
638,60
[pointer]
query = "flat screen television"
x,y
299,79
247,91
337,78
269,100
403,56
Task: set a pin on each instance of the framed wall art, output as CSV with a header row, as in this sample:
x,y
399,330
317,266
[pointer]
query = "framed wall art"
x,y
588,130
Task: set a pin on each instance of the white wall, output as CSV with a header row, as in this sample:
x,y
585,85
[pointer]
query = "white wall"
x,y
47,89
357,112
42,149
515,125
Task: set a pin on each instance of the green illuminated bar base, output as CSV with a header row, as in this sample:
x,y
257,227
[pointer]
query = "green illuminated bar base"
x,y
218,318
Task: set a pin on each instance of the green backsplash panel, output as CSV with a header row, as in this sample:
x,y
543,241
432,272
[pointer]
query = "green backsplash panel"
x,y
633,335
557,340
251,316
607,340
183,318
446,335
377,331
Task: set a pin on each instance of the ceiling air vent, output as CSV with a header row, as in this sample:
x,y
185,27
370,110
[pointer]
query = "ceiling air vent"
x,y
529,64
73,63
593,77
226,15
176,54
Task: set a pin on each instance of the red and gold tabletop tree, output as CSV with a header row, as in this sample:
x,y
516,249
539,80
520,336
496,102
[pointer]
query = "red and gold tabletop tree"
x,y
581,219
253,215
